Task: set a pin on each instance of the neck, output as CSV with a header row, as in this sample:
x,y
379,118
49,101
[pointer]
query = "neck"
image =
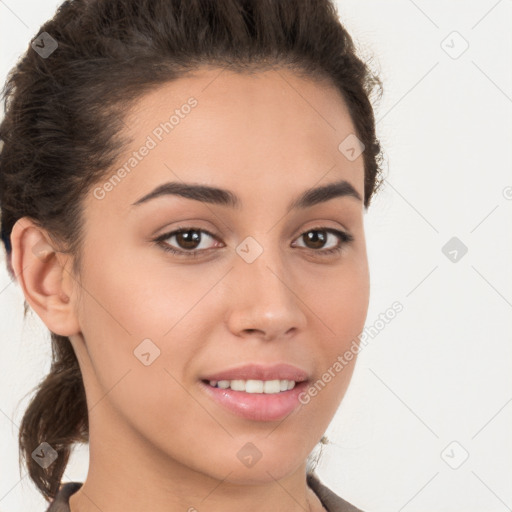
x,y
126,473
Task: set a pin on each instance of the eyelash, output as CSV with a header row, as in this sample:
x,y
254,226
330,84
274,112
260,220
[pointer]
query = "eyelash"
x,y
345,238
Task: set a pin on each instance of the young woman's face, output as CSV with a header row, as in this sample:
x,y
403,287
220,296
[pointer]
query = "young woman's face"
x,y
253,283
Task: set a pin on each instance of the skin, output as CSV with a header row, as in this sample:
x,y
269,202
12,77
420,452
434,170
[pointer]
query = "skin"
x,y
154,435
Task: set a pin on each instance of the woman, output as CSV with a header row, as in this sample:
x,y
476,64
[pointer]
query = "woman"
x,y
183,185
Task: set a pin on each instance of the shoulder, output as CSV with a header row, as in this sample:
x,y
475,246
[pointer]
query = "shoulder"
x,y
61,501
331,501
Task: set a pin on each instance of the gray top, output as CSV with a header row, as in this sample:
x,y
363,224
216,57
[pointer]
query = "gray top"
x,y
331,501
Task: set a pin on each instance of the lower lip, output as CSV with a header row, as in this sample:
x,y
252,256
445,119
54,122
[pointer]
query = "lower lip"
x,y
257,406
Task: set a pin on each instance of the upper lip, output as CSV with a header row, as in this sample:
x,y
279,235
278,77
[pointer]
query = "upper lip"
x,y
260,372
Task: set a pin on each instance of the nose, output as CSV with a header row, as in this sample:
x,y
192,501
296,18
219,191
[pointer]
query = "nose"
x,y
266,299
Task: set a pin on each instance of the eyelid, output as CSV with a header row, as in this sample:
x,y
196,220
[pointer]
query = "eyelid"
x,y
179,229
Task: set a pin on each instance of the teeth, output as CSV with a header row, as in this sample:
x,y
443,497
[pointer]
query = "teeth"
x,y
237,385
271,386
255,386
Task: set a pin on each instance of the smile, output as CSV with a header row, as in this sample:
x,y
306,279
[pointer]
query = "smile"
x,y
255,386
257,391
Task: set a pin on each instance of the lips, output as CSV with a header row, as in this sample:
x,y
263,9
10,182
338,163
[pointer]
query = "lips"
x,y
260,372
255,405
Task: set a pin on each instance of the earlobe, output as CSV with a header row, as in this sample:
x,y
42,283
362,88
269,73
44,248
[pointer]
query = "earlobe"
x,y
42,274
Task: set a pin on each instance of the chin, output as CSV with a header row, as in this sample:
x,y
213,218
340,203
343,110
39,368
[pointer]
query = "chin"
x,y
261,463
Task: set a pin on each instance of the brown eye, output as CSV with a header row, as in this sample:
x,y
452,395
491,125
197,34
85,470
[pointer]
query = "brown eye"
x,y
316,238
188,241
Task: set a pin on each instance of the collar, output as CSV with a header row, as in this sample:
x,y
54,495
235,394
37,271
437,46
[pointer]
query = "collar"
x,y
331,501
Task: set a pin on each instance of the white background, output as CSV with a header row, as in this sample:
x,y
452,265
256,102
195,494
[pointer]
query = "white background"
x,y
441,370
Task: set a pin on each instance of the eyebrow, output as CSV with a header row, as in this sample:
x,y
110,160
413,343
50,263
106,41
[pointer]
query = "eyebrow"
x,y
223,197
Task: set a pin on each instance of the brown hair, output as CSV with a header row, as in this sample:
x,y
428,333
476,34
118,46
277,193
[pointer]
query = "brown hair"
x,y
63,120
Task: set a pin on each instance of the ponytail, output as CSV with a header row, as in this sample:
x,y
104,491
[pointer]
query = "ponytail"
x,y
56,416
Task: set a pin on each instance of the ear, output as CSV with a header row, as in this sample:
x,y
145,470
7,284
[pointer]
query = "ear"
x,y
41,271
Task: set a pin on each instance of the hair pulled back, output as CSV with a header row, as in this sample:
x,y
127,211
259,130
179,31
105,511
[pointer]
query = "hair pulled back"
x,y
64,116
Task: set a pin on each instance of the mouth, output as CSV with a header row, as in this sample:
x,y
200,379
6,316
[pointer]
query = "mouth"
x,y
268,387
256,392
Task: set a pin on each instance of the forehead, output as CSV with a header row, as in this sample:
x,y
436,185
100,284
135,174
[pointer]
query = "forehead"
x,y
268,129
248,97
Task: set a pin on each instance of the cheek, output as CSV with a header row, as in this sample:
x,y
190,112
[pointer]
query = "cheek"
x,y
339,299
128,311
130,317
140,300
